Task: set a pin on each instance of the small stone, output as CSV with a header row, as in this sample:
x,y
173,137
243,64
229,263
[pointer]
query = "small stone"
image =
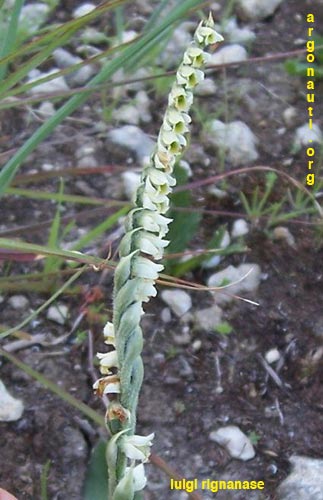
x,y
46,109
218,193
289,115
87,162
228,54
256,10
207,319
206,87
126,114
64,59
272,356
233,33
166,315
304,135
237,444
239,228
128,36
305,482
87,149
184,338
58,313
1,299
134,139
245,277
83,9
179,301
32,17
56,85
235,138
11,409
131,181
283,233
196,345
136,112
18,302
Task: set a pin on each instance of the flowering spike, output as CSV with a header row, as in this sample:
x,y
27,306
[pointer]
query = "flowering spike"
x,y
135,275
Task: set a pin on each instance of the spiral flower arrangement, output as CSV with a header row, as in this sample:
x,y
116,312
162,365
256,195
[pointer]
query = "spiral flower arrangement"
x,y
136,273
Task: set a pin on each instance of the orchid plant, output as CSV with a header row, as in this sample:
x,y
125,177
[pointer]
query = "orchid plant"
x,y
136,273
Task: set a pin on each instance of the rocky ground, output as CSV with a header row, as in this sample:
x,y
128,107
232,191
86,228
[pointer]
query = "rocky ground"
x,y
215,365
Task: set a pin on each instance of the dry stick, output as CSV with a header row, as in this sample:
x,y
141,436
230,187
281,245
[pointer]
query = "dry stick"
x,y
210,69
278,381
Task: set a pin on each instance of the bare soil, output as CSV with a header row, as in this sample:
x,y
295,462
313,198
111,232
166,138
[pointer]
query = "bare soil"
x,y
180,400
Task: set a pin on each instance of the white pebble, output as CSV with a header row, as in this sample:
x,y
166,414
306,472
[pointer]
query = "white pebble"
x,y
239,228
32,17
257,9
304,135
11,409
58,313
206,87
237,444
83,9
166,315
283,233
134,139
235,139
207,319
56,85
233,33
131,181
18,302
179,301
289,115
46,109
272,356
228,54
245,277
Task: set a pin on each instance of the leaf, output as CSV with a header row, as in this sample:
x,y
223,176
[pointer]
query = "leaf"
x,y
223,328
96,478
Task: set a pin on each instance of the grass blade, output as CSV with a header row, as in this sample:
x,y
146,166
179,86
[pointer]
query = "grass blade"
x,y
139,46
11,34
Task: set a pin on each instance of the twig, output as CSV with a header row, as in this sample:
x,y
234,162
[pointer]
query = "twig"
x,y
271,372
280,414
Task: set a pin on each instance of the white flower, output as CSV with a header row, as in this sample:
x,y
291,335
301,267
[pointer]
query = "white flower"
x,y
145,268
154,222
170,141
134,479
164,161
176,121
160,178
107,385
161,206
107,360
206,34
188,76
180,98
108,332
151,244
196,57
144,290
137,447
157,193
139,477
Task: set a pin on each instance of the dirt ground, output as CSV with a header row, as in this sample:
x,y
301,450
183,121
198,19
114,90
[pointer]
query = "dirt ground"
x,y
180,400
